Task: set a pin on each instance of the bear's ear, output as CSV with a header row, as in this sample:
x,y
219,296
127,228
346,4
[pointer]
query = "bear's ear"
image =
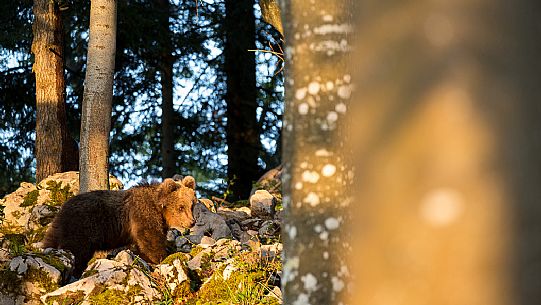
x,y
189,181
167,186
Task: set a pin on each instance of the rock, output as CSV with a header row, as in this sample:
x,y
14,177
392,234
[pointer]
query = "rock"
x,y
17,206
276,293
29,276
174,276
271,252
183,244
172,235
244,275
225,250
237,232
62,259
207,222
209,204
228,271
195,262
245,210
251,224
270,181
40,216
269,229
252,233
224,242
207,242
231,214
121,280
31,208
262,204
71,180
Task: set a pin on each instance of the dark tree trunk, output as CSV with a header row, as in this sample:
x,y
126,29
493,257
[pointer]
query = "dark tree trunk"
x,y
168,115
243,132
56,151
166,75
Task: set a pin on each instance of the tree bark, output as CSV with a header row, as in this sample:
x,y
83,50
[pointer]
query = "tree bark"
x,y
243,142
447,141
168,113
317,175
97,96
55,151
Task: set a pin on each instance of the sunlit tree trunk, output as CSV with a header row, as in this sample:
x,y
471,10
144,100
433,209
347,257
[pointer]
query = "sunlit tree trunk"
x,y
243,143
55,149
166,62
449,151
98,95
316,201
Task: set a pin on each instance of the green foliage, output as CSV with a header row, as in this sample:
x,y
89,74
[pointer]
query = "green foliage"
x,y
228,191
197,39
36,235
17,244
2,214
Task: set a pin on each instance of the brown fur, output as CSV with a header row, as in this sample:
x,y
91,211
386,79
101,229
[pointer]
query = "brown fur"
x,y
104,220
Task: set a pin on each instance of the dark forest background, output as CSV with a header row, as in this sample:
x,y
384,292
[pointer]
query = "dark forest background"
x,y
215,73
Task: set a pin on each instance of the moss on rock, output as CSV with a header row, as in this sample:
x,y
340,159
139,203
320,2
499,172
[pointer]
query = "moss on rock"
x,y
248,284
68,298
41,278
52,261
183,257
10,282
58,194
102,295
30,199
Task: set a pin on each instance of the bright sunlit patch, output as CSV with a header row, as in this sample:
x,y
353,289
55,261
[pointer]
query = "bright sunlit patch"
x,y
314,88
441,207
310,176
328,170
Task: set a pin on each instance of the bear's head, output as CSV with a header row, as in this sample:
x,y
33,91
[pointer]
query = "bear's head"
x,y
177,199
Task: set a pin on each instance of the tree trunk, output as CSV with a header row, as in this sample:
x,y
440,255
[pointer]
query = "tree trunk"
x,y
166,75
55,149
243,143
317,177
447,140
97,96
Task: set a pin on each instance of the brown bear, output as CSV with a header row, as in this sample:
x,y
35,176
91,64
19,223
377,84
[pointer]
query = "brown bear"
x,y
104,220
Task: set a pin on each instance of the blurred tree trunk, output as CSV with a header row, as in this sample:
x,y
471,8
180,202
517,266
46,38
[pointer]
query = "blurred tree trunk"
x,y
243,143
317,175
165,66
449,152
98,95
55,151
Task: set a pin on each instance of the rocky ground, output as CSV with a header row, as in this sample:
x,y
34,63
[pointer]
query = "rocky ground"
x,y
231,255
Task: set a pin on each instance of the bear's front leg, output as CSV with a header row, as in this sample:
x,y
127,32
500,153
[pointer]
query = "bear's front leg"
x,y
151,243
